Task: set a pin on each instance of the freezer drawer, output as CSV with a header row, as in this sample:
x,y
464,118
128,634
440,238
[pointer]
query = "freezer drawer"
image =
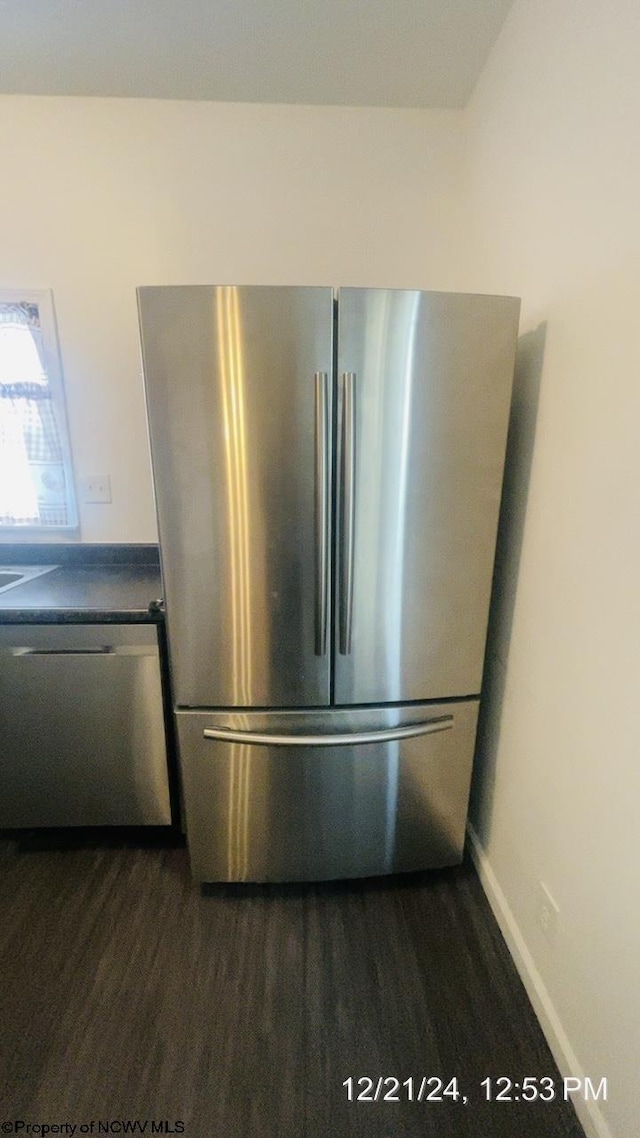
x,y
280,796
82,738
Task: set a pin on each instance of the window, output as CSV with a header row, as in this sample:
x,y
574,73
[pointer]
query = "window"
x,y
36,483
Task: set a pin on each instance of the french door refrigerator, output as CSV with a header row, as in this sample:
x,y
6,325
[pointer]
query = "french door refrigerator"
x,y
328,468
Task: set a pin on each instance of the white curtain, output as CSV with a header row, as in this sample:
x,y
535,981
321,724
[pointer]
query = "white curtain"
x,y
18,498
32,478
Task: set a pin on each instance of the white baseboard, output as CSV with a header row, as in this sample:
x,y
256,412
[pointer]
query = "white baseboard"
x,y
591,1118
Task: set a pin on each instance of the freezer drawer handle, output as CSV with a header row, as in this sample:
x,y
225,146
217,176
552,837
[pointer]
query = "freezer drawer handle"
x,y
323,498
388,735
348,508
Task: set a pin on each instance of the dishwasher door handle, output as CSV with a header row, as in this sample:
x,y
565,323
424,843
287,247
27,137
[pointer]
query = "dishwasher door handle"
x,y
105,650
88,650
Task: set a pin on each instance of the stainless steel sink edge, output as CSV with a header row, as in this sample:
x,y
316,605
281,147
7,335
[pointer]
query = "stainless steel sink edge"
x,y
14,575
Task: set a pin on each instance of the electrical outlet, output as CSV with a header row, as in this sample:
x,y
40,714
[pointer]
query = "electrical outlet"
x,y
96,488
548,912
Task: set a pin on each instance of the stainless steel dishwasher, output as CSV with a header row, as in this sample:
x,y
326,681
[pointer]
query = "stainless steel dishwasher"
x,y
82,740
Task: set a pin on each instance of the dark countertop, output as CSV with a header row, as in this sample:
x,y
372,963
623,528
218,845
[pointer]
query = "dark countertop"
x,y
92,584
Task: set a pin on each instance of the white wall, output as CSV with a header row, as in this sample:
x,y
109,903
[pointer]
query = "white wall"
x,y
98,196
554,166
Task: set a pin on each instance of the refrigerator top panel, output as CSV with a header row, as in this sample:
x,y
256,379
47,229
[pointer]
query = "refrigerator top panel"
x,y
423,395
238,385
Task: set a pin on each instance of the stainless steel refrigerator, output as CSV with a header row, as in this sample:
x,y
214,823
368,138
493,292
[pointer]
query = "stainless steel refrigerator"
x,y
328,468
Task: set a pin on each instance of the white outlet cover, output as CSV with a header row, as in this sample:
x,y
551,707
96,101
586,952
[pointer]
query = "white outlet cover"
x,y
96,488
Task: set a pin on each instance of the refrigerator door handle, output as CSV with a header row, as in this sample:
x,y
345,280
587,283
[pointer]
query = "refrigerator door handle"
x,y
386,735
348,508
322,503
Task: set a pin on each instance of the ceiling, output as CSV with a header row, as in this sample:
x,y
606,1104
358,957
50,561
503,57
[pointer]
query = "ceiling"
x,y
398,53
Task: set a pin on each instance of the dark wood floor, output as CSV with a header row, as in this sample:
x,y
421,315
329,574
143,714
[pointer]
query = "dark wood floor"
x,y
130,993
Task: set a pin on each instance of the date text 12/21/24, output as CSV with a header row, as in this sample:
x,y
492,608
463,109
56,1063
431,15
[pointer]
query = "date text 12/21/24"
x,y
386,1088
431,1088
